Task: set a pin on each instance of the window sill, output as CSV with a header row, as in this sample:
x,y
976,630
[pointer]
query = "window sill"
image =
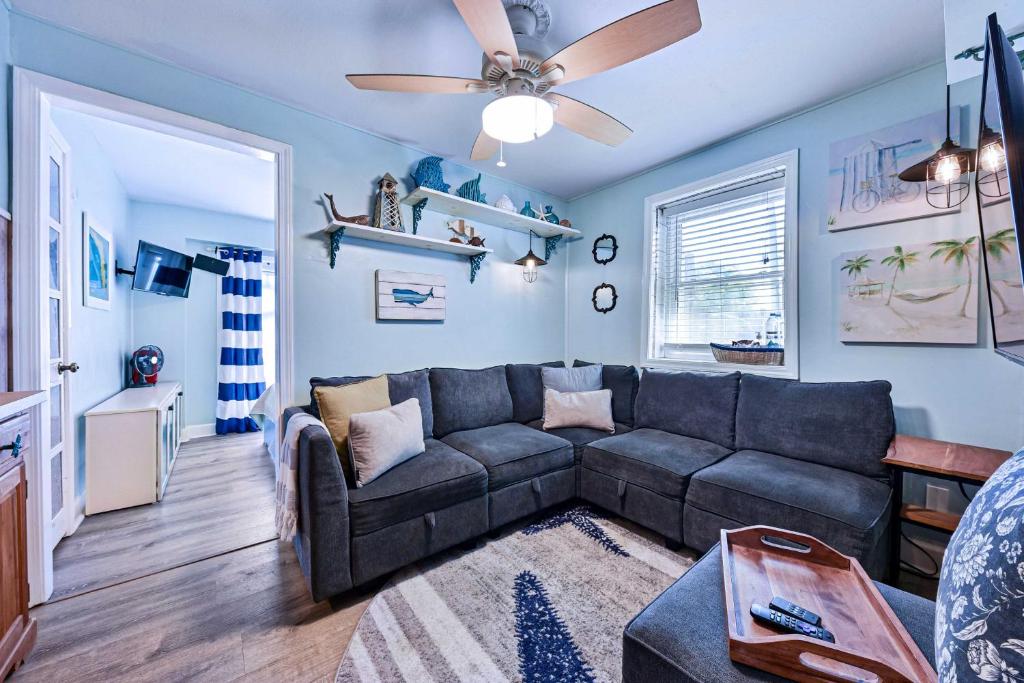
x,y
711,365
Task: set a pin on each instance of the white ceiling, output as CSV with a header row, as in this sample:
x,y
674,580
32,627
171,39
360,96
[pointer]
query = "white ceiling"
x,y
156,167
753,62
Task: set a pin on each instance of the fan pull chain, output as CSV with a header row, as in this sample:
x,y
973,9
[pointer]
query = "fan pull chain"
x,y
501,154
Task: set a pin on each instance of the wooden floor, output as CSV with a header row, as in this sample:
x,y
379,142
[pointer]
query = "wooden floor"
x,y
140,603
220,497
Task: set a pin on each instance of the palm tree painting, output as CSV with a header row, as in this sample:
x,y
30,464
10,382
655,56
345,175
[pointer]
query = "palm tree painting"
x,y
959,252
854,267
997,247
910,293
898,260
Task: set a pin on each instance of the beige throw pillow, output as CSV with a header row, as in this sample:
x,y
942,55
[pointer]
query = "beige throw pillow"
x,y
591,409
379,440
338,404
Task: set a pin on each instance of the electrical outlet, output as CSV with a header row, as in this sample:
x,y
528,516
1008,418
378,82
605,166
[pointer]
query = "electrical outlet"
x,y
936,497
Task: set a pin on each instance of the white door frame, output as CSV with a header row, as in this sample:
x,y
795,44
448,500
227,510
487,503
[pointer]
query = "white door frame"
x,y
32,93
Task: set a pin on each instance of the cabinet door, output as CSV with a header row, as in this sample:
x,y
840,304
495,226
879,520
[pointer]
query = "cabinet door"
x,y
13,565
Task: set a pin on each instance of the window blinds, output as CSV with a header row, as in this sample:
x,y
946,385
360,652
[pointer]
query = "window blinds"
x,y
718,264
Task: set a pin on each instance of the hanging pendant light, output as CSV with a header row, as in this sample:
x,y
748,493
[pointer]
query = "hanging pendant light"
x,y
944,173
530,263
992,176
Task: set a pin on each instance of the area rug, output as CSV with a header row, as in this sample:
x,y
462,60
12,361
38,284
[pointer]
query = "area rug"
x,y
547,602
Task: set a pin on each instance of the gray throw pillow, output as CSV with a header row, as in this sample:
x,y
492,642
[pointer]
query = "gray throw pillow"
x,y
380,439
586,378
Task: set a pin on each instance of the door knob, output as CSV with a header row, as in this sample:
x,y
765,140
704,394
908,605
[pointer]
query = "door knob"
x,y
62,367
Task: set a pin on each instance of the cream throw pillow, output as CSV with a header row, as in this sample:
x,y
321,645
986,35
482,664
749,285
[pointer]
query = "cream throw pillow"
x,y
379,440
338,404
591,409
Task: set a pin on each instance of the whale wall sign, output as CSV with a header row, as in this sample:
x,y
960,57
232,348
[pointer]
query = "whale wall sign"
x,y
410,296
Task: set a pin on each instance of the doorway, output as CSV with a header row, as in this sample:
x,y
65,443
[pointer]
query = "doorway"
x,y
41,313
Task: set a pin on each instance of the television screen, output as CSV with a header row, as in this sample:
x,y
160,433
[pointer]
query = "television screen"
x,y
162,271
999,181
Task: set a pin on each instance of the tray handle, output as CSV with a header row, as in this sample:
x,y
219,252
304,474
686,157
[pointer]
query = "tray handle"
x,y
808,548
834,653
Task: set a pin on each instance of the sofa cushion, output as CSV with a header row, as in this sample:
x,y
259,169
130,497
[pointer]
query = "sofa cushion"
x,y
978,626
624,381
660,461
433,480
843,424
592,409
527,389
844,509
579,436
512,452
469,399
380,440
336,404
401,386
665,643
572,379
697,404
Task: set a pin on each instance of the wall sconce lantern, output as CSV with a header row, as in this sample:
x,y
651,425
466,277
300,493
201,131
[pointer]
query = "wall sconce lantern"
x,y
530,263
945,173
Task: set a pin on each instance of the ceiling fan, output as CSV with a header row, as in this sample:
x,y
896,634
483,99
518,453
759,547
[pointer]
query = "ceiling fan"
x,y
517,72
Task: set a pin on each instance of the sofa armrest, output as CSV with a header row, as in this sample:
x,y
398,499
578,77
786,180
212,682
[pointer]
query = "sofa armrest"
x,y
322,541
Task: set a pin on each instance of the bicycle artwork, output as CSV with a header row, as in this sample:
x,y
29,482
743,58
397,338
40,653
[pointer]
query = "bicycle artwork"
x,y
863,183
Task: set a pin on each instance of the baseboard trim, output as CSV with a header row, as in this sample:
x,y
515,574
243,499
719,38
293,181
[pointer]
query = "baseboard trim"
x,y
196,431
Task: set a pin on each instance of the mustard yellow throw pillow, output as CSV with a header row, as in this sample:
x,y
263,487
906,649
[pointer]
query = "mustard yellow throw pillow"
x,y
338,404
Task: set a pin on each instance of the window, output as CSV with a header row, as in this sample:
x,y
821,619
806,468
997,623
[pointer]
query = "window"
x,y
269,315
721,267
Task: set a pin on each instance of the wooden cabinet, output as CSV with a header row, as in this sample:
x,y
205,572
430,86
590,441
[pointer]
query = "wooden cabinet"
x,y
17,629
131,442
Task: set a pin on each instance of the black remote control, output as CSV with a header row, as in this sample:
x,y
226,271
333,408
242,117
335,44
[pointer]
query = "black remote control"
x,y
787,623
794,610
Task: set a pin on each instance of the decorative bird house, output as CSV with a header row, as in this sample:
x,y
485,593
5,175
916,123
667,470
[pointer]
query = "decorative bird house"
x,y
388,215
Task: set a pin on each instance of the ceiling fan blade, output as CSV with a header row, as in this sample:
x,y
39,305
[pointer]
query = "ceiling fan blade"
x,y
488,23
627,39
485,147
588,121
450,85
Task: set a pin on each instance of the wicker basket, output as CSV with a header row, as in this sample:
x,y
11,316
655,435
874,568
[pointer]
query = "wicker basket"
x,y
748,355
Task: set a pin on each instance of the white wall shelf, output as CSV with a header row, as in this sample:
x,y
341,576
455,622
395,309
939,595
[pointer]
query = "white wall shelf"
x,y
450,204
336,230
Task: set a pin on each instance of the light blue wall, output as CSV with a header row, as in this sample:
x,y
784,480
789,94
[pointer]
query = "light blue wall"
x,y
945,392
99,339
498,319
186,329
5,97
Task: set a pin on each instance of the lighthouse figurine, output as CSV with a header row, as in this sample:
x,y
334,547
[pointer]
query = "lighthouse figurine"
x,y
388,215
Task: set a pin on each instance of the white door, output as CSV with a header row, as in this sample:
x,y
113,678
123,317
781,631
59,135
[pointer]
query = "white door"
x,y
58,228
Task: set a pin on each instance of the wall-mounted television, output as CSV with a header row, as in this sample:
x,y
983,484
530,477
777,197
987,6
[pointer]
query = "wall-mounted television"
x,y
999,181
161,271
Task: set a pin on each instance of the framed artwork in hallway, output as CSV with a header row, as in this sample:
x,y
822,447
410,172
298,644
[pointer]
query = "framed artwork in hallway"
x,y
97,264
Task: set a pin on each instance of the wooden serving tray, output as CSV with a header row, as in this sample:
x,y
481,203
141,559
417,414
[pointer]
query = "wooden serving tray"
x,y
760,562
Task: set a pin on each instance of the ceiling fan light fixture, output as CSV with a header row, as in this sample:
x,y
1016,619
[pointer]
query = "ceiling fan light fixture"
x,y
518,118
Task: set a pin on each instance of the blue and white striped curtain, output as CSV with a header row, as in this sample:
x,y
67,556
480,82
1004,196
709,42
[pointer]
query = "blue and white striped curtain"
x,y
240,378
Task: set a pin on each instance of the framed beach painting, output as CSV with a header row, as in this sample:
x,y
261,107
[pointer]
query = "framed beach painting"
x,y
97,264
863,175
910,293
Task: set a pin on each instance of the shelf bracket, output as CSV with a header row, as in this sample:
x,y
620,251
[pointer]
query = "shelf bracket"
x,y
417,213
336,245
474,265
551,245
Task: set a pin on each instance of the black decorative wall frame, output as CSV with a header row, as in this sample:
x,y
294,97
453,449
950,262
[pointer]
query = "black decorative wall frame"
x,y
614,248
615,297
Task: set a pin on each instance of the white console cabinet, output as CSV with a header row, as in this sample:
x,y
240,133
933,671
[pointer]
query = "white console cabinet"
x,y
131,441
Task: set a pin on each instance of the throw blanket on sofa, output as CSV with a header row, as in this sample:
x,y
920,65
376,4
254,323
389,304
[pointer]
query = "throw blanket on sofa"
x,y
286,513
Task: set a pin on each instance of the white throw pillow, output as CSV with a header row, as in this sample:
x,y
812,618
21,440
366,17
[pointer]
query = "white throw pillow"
x,y
591,409
585,378
380,439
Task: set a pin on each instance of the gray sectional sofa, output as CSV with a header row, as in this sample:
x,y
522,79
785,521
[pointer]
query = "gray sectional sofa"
x,y
692,454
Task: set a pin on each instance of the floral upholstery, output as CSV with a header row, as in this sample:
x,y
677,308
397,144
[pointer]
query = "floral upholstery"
x,y
979,616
